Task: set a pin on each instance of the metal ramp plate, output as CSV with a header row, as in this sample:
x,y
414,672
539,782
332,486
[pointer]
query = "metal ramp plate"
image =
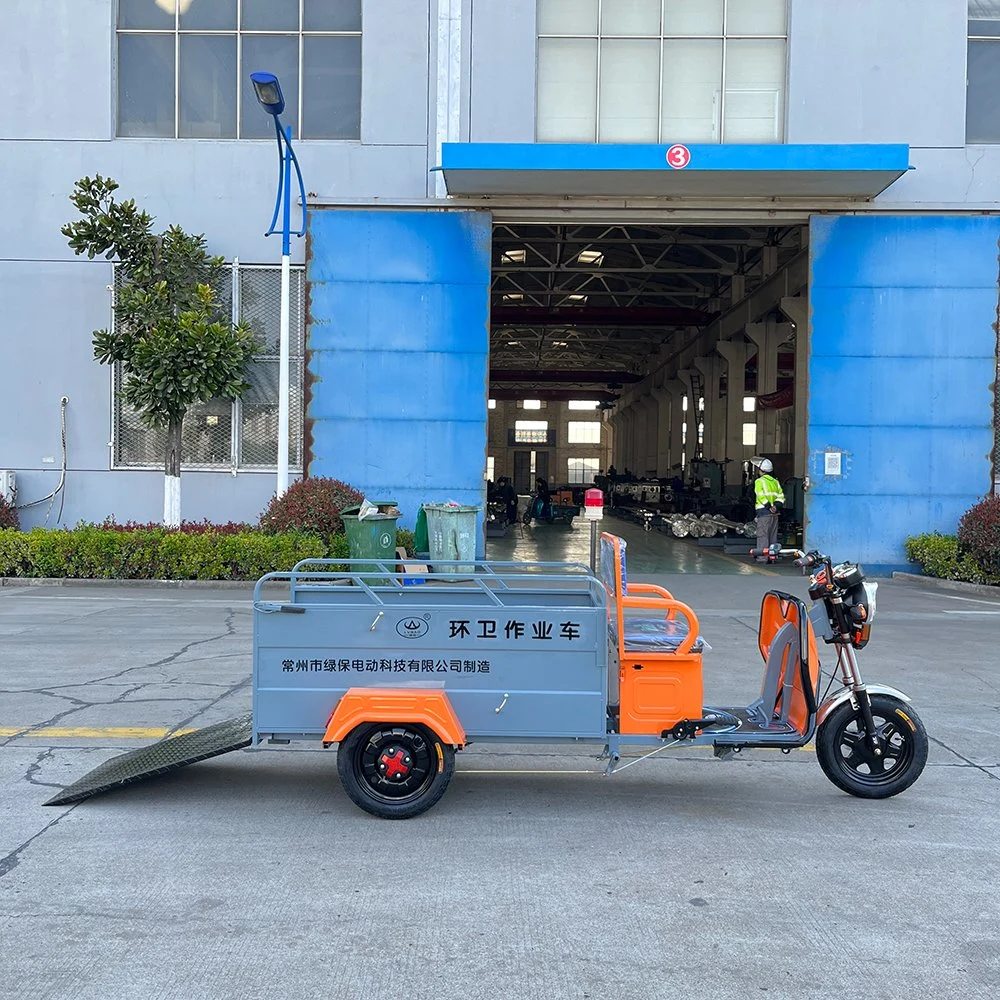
x,y
160,758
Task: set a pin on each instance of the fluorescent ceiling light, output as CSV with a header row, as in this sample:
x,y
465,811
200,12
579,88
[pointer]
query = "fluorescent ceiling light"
x,y
513,296
595,257
514,256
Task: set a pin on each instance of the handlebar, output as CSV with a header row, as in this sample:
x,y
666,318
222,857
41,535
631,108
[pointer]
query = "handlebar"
x,y
803,559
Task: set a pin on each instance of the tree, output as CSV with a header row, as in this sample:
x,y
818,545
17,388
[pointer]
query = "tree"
x,y
175,344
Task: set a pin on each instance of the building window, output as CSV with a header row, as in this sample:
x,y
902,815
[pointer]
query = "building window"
x,y
240,434
584,432
582,404
490,467
531,404
982,123
750,435
531,431
582,470
661,70
184,67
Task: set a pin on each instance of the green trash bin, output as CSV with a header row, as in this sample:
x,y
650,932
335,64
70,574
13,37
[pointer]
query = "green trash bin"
x,y
421,546
451,534
372,537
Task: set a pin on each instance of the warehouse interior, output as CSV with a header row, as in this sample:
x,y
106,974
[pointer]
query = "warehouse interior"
x,y
655,361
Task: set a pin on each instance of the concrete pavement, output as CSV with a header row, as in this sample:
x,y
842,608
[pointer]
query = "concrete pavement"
x,y
252,875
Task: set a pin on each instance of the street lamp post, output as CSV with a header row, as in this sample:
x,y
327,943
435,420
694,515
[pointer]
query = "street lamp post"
x,y
269,95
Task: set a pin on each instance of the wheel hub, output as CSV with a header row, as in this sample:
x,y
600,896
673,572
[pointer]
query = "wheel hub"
x,y
394,764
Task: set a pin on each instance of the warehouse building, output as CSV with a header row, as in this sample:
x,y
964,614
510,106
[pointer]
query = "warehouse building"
x,y
544,237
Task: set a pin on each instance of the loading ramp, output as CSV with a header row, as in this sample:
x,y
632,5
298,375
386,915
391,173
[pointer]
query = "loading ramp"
x,y
162,757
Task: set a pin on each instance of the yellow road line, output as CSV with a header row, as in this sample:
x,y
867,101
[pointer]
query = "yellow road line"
x,y
91,733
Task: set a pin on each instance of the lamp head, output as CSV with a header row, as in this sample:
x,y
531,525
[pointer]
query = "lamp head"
x,y
268,92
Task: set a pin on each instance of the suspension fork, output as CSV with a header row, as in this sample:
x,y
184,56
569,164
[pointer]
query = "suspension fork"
x,y
851,674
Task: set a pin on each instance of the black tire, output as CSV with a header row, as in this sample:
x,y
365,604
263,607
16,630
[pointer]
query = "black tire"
x,y
394,770
850,764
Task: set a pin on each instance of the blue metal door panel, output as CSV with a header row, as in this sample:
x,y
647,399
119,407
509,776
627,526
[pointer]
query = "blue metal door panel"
x,y
901,367
398,344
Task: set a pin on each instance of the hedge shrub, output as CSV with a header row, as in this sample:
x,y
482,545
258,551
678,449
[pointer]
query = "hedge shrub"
x,y
8,515
96,552
186,527
979,535
939,555
311,505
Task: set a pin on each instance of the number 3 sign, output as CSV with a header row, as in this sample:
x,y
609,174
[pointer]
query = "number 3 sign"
x,y
678,157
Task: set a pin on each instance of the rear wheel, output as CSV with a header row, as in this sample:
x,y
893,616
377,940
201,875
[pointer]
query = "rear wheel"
x,y
848,760
394,771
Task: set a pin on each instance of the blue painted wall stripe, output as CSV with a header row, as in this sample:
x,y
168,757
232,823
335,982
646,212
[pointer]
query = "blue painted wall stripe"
x,y
398,337
902,361
712,156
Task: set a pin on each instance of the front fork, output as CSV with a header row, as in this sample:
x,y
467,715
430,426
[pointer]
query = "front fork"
x,y
851,676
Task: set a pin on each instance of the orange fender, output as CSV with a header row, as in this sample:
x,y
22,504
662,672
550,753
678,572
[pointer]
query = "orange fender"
x,y
430,708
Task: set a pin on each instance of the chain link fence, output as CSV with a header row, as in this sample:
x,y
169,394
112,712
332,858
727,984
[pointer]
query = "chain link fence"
x,y
240,434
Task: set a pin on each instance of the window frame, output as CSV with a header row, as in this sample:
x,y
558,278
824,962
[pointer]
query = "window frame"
x,y
587,461
970,38
541,428
571,424
235,464
238,33
781,119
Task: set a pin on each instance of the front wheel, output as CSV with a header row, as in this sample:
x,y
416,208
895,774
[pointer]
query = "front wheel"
x,y
849,761
394,771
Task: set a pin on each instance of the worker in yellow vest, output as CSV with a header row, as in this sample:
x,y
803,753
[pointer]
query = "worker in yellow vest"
x,y
769,498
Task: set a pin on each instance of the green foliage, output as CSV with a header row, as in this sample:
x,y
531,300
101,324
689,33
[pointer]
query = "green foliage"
x,y
8,515
938,555
979,535
404,539
90,552
311,505
174,343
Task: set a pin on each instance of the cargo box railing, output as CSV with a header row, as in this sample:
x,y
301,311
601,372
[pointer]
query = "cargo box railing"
x,y
382,581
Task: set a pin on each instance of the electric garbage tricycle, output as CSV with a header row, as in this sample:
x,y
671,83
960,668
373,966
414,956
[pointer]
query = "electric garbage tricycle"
x,y
399,678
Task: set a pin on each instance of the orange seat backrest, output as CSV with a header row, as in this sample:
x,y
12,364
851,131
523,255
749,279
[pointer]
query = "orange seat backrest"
x,y
776,609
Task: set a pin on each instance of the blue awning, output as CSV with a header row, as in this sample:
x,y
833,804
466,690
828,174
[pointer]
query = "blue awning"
x,y
699,171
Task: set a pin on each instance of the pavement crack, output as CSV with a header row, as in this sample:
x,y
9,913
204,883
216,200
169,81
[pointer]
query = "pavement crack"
x,y
36,766
13,859
126,693
982,680
230,631
962,757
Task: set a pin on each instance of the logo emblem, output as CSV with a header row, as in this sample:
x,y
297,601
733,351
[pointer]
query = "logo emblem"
x,y
412,628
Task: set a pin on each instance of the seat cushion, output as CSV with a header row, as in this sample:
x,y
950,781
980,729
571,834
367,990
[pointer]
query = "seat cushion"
x,y
657,635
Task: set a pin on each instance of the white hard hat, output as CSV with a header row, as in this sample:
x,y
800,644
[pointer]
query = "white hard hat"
x,y
765,465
